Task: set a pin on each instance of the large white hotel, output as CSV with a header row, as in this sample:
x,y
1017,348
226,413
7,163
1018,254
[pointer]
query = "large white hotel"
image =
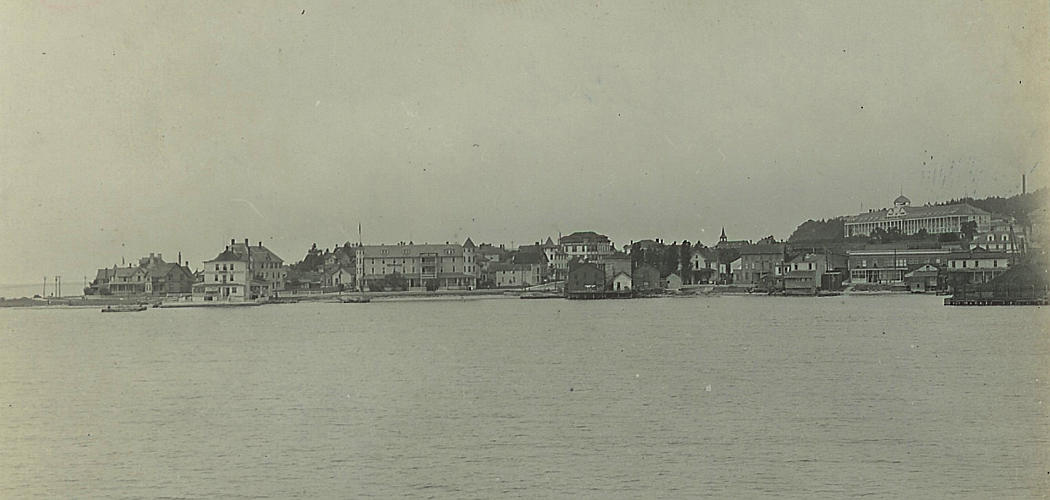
x,y
449,266
911,220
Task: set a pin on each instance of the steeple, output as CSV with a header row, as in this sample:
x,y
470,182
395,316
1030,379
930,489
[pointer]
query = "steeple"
x,y
723,237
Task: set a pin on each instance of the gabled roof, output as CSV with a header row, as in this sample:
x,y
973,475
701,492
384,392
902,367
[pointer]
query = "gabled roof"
x,y
705,252
164,268
923,271
104,274
549,243
228,256
468,243
121,272
259,253
530,257
584,237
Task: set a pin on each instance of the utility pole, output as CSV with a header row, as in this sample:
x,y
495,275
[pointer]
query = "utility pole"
x,y
43,293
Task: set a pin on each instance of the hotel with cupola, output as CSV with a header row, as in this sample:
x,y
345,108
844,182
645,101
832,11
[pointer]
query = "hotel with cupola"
x,y
910,220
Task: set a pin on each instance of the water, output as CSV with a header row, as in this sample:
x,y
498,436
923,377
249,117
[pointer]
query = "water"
x,y
726,397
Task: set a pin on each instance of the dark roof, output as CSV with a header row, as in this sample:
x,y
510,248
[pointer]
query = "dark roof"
x,y
549,243
536,257
706,253
227,255
468,243
105,274
583,237
978,253
776,248
901,200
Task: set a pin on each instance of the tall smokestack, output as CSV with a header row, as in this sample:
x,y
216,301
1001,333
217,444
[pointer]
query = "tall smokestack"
x,y
1023,186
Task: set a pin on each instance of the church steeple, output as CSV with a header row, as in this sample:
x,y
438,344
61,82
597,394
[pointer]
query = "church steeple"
x,y
722,239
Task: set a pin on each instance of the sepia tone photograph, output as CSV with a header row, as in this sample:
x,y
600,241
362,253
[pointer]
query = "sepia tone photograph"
x,y
524,249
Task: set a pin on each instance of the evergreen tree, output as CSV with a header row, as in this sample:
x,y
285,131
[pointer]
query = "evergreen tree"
x,y
685,262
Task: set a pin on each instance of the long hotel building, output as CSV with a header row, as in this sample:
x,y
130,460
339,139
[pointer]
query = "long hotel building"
x,y
911,220
448,266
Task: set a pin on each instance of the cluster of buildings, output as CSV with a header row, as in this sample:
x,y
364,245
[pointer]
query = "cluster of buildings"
x,y
587,263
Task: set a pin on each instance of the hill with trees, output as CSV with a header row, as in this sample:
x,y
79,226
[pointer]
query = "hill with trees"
x,y
831,230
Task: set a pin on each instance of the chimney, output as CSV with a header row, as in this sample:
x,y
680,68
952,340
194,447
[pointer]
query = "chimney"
x,y
232,242
159,257
260,243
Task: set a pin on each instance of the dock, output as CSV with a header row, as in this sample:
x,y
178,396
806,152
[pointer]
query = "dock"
x,y
951,301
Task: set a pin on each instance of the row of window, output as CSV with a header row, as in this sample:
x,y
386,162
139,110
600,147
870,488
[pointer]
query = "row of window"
x,y
995,263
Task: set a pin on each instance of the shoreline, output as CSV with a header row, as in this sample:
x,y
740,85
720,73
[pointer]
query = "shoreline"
x,y
78,302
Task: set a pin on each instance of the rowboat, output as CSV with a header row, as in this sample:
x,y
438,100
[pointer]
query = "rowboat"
x,y
124,309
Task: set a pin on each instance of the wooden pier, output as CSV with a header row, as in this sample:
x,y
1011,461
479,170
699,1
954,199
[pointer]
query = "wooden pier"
x,y
951,301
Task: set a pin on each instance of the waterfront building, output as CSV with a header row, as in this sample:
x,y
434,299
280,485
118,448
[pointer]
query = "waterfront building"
x,y
340,275
804,273
242,272
759,263
615,264
925,278
672,282
513,275
646,278
423,266
586,246
127,281
166,278
911,220
585,279
976,266
621,282
704,265
881,264
152,276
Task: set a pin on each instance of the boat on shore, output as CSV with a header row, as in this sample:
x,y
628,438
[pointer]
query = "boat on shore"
x,y
124,308
542,295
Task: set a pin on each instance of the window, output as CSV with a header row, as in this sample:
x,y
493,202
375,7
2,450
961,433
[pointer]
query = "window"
x,y
964,263
995,263
216,267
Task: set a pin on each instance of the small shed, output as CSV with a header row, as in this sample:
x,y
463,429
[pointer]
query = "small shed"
x,y
621,282
673,282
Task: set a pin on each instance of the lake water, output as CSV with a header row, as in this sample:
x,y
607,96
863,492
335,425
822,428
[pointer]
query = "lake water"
x,y
724,397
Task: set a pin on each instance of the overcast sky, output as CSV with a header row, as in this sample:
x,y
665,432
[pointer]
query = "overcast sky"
x,y
136,127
